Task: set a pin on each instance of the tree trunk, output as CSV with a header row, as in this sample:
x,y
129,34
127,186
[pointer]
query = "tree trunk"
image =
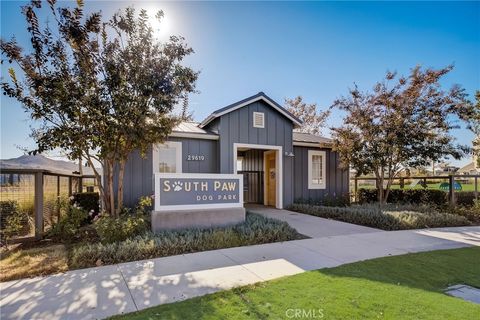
x,y
380,180
111,192
100,183
106,188
387,189
121,172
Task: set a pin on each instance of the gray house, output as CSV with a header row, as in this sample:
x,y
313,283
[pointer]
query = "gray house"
x,y
254,137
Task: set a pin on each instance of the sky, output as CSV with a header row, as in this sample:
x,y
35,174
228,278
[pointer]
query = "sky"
x,y
314,49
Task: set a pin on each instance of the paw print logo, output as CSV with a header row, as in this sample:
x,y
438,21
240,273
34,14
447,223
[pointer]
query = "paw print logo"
x,y
177,186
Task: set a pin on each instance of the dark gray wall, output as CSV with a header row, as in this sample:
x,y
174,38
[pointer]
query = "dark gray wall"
x,y
237,127
201,147
138,179
336,178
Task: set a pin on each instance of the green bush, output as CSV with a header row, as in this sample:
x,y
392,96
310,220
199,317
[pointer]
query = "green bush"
x,y
110,229
13,220
436,197
387,217
132,222
88,201
68,228
255,230
465,198
472,212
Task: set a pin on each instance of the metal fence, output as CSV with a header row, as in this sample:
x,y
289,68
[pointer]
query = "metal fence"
x,y
39,197
252,186
460,183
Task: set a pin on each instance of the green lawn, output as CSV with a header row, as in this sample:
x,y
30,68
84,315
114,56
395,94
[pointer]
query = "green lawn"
x,y
401,287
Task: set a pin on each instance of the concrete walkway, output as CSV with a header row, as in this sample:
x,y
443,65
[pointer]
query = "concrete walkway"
x,y
311,226
97,293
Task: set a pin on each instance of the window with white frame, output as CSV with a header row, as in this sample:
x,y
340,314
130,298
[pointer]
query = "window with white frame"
x,y
258,120
168,157
316,169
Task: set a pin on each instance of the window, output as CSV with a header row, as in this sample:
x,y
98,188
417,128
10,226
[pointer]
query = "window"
x,y
168,157
258,120
316,169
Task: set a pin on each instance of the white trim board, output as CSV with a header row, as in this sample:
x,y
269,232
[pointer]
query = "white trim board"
x,y
312,144
204,136
279,166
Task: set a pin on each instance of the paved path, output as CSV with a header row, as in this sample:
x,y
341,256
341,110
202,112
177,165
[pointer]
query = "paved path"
x,y
97,293
311,226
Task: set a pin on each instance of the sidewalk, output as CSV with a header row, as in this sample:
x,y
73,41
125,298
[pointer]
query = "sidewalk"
x,y
311,226
97,293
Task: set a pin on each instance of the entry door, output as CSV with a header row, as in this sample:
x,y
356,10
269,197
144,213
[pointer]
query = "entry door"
x,y
271,178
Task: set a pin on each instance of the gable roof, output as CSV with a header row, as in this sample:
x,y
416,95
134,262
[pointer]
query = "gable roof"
x,y
237,105
191,129
470,167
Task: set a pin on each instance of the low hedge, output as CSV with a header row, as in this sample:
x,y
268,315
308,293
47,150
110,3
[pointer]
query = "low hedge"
x,y
465,198
386,218
437,197
255,230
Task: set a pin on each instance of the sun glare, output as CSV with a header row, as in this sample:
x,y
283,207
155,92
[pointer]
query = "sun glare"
x,y
161,28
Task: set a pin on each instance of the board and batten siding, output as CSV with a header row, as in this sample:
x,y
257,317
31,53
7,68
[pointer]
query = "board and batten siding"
x,y
237,127
337,180
138,178
201,147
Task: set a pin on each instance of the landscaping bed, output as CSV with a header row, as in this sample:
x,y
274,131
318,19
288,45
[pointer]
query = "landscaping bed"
x,y
21,262
401,287
386,217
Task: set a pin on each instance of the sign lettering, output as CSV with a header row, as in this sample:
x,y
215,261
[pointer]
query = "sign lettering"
x,y
202,190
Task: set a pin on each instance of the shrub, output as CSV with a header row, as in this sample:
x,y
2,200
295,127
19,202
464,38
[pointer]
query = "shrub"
x,y
465,198
110,229
437,197
68,227
13,220
386,218
472,212
255,230
367,195
132,222
88,201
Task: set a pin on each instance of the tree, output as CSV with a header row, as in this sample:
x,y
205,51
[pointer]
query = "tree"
x,y
99,89
474,125
186,115
313,121
404,122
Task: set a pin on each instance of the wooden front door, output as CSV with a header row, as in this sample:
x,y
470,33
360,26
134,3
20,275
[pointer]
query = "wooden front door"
x,y
271,178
